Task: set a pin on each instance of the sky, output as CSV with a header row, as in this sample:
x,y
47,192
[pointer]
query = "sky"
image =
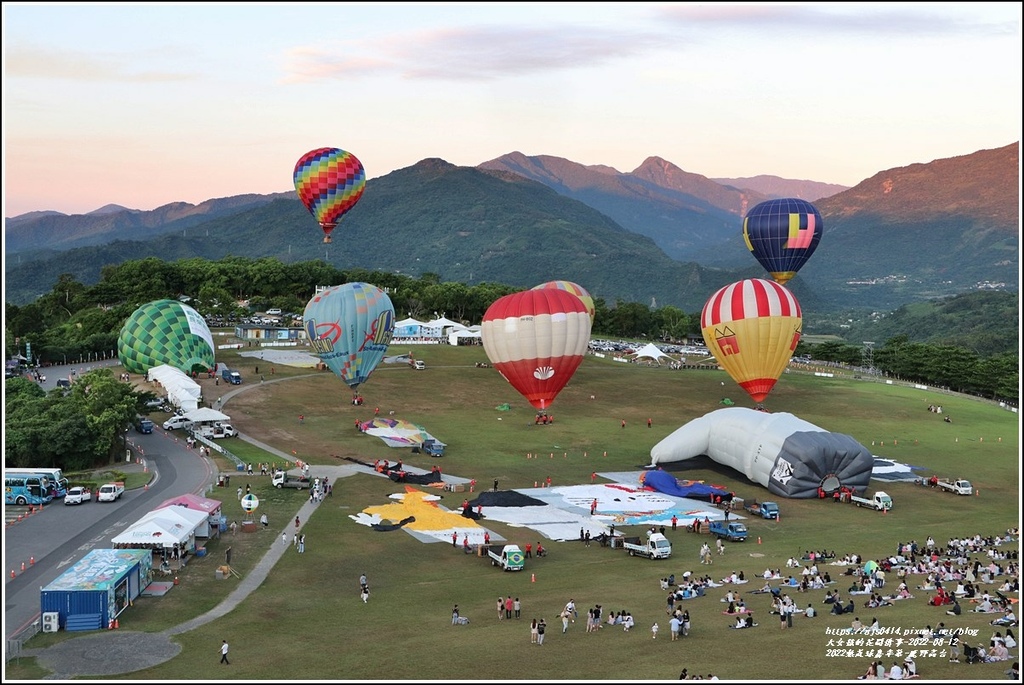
x,y
145,104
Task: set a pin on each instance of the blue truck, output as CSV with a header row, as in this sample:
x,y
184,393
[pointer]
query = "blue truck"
x,y
766,510
232,377
733,531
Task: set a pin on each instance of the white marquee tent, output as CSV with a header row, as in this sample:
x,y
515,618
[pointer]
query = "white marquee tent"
x,y
166,527
182,391
651,351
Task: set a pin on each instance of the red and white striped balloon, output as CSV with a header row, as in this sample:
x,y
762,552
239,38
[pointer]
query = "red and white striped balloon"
x,y
536,339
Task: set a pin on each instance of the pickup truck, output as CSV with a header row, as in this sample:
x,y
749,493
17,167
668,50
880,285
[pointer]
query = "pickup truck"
x,y
766,510
432,447
960,487
110,492
657,546
879,501
733,531
510,558
283,480
78,495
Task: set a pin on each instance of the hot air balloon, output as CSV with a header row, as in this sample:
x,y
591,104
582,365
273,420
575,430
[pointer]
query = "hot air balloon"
x,y
577,290
329,182
783,234
165,332
536,339
752,328
349,327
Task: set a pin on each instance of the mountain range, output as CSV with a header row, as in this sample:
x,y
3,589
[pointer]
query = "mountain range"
x,y
657,235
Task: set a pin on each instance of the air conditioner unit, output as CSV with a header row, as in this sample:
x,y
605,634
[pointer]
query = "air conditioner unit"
x,y
51,622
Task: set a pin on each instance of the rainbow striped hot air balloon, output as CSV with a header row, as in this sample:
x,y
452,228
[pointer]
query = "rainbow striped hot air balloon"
x,y
577,290
329,182
349,327
752,328
536,339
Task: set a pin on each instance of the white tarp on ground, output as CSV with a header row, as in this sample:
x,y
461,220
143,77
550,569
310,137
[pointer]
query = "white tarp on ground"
x,y
205,414
650,351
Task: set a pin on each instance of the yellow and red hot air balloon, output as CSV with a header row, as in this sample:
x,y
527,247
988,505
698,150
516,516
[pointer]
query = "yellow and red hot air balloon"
x,y
329,181
577,290
536,339
752,328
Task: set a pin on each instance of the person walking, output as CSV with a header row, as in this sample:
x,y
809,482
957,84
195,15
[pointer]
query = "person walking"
x,y
565,621
654,631
224,652
296,523
364,593
509,606
516,606
302,544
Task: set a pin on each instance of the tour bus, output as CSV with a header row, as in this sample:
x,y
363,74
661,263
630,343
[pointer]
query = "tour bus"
x,y
23,489
58,483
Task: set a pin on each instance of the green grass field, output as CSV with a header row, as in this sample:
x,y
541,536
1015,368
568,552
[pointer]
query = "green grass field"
x,y
307,621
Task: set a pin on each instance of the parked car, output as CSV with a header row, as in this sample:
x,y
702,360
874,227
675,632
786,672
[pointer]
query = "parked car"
x,y
154,403
78,495
274,312
176,422
144,426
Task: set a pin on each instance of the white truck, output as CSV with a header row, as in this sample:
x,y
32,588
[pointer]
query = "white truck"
x,y
960,487
282,479
510,558
110,492
216,430
879,501
657,546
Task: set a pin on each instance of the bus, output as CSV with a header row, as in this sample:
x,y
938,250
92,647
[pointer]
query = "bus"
x,y
25,489
58,483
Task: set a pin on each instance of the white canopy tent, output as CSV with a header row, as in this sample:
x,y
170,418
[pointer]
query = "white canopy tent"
x,y
205,415
166,528
182,391
650,351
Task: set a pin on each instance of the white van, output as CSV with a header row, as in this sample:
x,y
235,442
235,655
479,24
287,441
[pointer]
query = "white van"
x,y
274,312
176,422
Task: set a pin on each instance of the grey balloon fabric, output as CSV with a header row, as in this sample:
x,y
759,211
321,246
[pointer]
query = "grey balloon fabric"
x,y
789,456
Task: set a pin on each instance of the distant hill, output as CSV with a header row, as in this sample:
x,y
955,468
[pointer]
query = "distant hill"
x,y
904,235
774,187
685,214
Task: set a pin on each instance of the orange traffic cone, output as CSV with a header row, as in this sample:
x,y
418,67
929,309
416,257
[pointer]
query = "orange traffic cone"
x,y
606,454
533,577
23,567
13,574
110,626
175,580
31,561
116,624
759,539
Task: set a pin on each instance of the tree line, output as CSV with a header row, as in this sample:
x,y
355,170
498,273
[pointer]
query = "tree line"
x,y
76,322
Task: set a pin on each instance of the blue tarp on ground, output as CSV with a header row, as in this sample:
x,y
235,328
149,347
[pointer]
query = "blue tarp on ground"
x,y
666,483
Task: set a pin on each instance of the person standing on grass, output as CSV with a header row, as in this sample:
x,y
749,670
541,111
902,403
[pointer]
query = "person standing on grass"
x,y
654,631
541,627
501,608
224,652
302,543
516,606
364,593
533,632
509,605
